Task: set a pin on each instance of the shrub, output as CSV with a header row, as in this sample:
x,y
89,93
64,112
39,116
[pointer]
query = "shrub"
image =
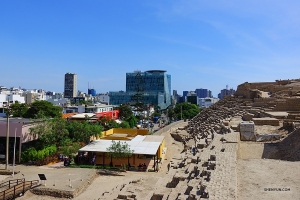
x,y
32,154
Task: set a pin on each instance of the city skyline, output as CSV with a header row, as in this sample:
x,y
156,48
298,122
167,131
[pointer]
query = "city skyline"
x,y
201,44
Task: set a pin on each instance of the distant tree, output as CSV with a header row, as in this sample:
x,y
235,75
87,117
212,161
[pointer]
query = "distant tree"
x,y
82,131
124,124
70,148
44,108
171,114
156,114
119,150
187,110
111,124
60,132
157,108
132,121
18,109
124,111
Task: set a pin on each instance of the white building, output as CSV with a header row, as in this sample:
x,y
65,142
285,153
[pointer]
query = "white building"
x,y
34,95
12,98
74,109
102,98
59,102
98,108
206,102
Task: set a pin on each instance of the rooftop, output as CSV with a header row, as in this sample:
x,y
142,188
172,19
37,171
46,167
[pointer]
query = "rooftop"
x,y
140,144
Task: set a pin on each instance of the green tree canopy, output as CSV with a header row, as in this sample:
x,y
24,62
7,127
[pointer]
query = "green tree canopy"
x,y
59,131
124,111
119,150
111,124
132,120
82,131
45,108
188,110
124,124
171,114
18,109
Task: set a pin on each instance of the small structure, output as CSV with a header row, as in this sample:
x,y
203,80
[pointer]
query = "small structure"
x,y
247,131
145,147
266,121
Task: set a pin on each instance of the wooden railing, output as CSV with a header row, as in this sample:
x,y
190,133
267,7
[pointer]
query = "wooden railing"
x,y
11,183
15,190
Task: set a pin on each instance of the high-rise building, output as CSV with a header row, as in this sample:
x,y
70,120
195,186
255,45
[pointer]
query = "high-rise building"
x,y
210,94
92,92
184,93
70,90
201,93
225,92
150,87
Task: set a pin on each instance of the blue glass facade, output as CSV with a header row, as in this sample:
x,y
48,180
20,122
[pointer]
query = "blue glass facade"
x,y
92,92
202,93
155,85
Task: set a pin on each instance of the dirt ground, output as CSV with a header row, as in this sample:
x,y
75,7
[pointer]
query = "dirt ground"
x,y
257,178
141,184
263,178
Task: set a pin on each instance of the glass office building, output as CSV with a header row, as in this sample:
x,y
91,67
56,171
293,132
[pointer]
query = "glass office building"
x,y
154,86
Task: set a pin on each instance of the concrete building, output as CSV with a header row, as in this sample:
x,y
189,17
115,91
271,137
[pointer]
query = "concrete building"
x,y
33,95
225,92
203,93
74,109
12,98
192,98
206,102
184,94
92,92
98,108
59,102
102,98
150,87
70,89
22,129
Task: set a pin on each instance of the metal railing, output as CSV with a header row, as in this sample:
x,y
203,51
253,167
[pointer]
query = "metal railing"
x,y
15,190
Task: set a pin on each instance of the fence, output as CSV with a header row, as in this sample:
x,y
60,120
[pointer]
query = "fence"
x,y
15,188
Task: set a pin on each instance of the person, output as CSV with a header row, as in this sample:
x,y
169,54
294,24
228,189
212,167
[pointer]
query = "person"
x,y
93,160
80,157
144,166
140,166
168,166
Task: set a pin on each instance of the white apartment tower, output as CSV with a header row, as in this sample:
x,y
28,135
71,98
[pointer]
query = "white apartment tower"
x,y
70,90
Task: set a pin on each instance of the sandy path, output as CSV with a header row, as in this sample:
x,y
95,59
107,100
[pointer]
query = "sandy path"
x,y
257,175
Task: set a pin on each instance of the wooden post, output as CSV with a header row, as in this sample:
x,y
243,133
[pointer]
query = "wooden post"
x,y
103,159
128,164
154,164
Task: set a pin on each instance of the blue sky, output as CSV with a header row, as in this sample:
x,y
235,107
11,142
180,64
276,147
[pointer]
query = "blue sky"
x,y
201,44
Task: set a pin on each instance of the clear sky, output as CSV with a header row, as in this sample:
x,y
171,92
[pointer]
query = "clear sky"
x,y
201,43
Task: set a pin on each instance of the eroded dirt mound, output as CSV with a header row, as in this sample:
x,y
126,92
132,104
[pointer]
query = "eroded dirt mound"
x,y
289,148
